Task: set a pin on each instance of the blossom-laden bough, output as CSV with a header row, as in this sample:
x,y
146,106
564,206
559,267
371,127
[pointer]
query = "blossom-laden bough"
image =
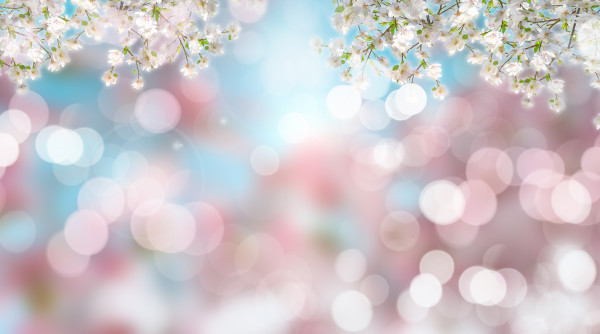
x,y
38,34
522,42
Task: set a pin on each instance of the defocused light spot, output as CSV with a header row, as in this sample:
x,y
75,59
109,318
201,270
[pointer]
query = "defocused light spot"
x,y
590,161
350,265
492,166
157,111
343,101
86,232
15,123
17,231
93,147
399,231
170,229
264,160
576,270
516,287
34,106
426,290
388,153
409,310
411,99
439,264
376,288
352,311
104,196
246,12
415,150
455,115
293,128
59,145
10,150
393,109
481,202
482,286
442,202
571,201
145,196
209,228
373,115
63,259
533,160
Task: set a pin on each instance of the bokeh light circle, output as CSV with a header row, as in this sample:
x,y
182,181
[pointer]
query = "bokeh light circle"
x,y
576,270
104,196
352,311
86,232
343,101
15,123
410,99
10,150
399,231
425,290
264,160
442,202
350,265
157,111
437,263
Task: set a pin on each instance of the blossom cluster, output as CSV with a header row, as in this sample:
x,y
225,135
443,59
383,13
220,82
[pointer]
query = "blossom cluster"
x,y
523,43
39,34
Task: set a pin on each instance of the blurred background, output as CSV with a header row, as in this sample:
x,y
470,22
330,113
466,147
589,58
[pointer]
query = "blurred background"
x,y
266,196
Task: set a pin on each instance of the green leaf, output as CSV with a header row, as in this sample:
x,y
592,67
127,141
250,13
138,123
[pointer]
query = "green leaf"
x,y
419,32
339,9
125,50
84,23
153,53
395,67
229,37
115,75
495,62
465,36
53,48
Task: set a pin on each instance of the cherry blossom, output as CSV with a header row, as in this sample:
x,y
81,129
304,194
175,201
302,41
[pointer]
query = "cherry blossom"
x,y
38,34
522,43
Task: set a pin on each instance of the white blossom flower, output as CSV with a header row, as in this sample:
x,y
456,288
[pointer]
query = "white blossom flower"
x,y
109,78
189,70
115,57
137,84
434,71
440,92
556,104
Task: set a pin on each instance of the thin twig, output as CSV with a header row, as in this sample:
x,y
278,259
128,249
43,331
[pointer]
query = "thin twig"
x,y
573,31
